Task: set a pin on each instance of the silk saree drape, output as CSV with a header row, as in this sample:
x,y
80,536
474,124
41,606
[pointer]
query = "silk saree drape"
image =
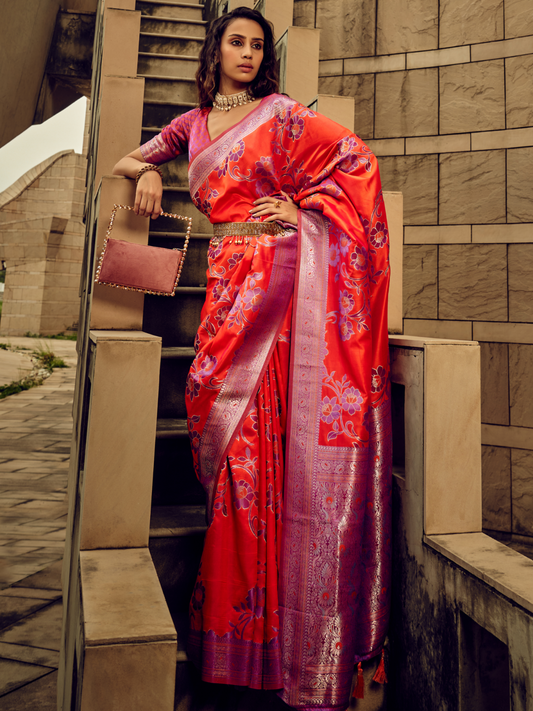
x,y
289,407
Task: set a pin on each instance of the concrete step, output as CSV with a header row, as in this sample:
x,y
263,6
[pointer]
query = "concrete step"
x,y
172,27
177,353
170,89
177,521
176,541
172,383
161,113
171,428
195,265
195,695
175,319
170,44
177,201
176,66
175,10
175,172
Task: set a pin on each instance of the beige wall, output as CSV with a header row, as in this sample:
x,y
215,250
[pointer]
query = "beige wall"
x,y
26,33
445,100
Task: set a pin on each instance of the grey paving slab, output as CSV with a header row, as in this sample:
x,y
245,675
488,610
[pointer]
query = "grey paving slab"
x,y
13,609
37,593
14,572
49,578
42,629
9,516
49,547
31,655
40,695
15,530
20,548
8,475
59,535
51,508
15,464
18,496
15,674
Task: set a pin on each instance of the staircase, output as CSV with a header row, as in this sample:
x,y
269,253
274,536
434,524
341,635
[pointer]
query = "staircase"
x,y
170,40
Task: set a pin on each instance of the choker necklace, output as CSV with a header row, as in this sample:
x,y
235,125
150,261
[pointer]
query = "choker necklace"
x,y
226,102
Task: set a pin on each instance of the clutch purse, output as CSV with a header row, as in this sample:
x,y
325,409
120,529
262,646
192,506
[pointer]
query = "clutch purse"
x,y
139,267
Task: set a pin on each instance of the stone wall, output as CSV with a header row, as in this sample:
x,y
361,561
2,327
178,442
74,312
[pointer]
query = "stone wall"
x,y
444,96
41,241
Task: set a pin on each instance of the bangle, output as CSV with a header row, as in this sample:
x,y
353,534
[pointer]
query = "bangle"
x,y
145,169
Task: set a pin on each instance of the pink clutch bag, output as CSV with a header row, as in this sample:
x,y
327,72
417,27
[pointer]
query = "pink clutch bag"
x,y
139,267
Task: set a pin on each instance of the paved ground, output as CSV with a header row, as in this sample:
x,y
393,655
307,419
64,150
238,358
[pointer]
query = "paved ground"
x,y
35,433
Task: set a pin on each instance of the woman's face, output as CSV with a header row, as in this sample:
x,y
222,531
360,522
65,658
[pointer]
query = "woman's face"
x,y
241,54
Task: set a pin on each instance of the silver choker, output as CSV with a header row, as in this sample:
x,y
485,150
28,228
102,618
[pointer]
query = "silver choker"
x,y
225,102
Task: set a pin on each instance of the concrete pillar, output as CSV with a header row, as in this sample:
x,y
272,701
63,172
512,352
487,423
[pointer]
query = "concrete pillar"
x,y
340,109
298,54
119,455
279,13
394,209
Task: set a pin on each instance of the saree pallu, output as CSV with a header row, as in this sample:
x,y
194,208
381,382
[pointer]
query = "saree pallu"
x,y
292,448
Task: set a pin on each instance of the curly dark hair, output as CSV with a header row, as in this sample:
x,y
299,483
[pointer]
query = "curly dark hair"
x,y
208,76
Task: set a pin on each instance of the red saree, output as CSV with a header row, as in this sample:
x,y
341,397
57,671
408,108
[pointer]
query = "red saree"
x,y
289,407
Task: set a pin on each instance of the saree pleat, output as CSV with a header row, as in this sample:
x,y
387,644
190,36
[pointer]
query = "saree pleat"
x,y
241,551
288,405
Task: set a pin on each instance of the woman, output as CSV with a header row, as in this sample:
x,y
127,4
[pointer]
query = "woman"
x,y
288,396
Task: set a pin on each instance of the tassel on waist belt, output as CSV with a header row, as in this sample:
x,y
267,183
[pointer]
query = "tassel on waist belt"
x,y
240,230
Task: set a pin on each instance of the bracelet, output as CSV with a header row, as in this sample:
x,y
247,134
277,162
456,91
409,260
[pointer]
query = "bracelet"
x,y
145,169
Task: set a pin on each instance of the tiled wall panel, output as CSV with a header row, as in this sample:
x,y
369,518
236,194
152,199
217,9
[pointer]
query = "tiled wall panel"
x,y
444,95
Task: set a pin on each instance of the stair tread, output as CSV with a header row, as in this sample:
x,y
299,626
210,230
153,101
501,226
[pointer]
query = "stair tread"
x,y
168,102
191,289
162,55
177,521
178,352
178,235
171,427
194,5
181,623
164,35
181,20
165,77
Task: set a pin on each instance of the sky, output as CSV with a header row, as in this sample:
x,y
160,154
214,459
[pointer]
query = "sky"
x,y
61,132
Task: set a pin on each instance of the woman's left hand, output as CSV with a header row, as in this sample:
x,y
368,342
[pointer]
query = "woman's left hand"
x,y
284,210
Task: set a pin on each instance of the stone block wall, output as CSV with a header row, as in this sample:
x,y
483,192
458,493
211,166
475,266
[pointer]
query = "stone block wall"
x,y
41,241
444,96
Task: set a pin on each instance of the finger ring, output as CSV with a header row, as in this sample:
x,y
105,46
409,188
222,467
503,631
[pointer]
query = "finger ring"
x,y
277,204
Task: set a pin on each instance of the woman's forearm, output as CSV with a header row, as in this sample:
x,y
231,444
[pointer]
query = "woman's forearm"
x,y
130,165
149,189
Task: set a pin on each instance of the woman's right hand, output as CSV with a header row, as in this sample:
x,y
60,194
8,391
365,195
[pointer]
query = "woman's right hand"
x,y
149,188
148,195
